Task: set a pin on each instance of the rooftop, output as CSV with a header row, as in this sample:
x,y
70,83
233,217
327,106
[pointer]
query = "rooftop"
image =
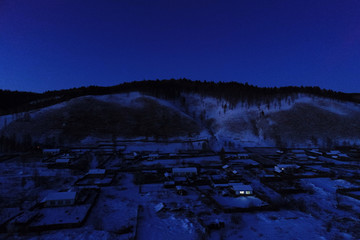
x,y
240,186
61,196
187,169
96,171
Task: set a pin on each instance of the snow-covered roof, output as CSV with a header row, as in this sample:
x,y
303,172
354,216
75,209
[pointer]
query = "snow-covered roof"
x,y
243,155
221,185
96,171
184,170
61,196
333,152
159,207
240,187
50,150
287,166
300,155
169,183
62,160
316,152
298,151
153,155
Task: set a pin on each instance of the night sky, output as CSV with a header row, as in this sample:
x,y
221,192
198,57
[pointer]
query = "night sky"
x,y
58,44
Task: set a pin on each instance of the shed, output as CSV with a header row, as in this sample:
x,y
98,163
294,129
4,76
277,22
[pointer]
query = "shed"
x,y
60,199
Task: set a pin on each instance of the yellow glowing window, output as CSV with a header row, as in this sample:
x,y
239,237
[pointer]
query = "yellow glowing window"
x,y
242,192
248,192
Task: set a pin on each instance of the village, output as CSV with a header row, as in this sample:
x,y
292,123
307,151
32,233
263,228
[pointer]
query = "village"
x,y
179,190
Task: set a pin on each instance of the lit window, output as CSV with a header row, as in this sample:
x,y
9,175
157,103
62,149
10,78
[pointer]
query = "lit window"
x,y
242,192
248,192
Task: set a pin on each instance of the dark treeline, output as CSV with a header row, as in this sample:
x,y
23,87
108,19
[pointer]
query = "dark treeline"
x,y
232,92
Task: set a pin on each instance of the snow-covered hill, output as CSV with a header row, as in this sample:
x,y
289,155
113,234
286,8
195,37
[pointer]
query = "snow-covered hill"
x,y
303,120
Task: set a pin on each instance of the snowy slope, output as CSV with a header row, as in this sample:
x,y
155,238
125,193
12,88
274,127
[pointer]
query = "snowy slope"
x,y
303,120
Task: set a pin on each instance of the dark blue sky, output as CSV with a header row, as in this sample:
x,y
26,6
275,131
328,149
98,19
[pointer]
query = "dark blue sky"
x,y
57,44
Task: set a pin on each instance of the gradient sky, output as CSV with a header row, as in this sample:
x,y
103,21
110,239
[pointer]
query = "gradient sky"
x,y
57,44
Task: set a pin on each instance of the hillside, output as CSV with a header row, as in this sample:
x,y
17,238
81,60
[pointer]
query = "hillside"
x,y
15,102
294,121
103,117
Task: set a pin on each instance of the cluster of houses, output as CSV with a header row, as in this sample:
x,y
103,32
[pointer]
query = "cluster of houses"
x,y
182,175
225,179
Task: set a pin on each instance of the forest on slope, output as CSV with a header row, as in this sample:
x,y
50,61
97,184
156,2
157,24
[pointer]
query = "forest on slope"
x,y
232,92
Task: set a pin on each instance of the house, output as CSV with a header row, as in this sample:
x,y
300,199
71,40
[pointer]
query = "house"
x,y
188,171
62,161
286,168
243,156
301,156
96,172
120,148
153,156
316,151
169,184
60,199
67,155
180,180
241,189
220,185
343,155
298,151
219,179
333,152
51,151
